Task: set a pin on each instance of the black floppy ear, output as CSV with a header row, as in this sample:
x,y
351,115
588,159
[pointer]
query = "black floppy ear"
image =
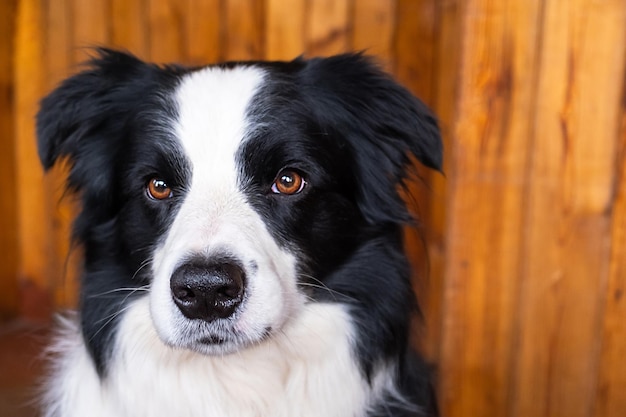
x,y
82,120
382,122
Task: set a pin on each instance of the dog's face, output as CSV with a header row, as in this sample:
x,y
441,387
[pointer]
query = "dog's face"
x,y
252,194
233,193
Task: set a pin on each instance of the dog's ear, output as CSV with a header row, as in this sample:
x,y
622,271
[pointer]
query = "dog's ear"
x,y
383,123
83,119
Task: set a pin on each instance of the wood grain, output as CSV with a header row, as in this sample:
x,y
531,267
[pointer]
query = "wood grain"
x,y
373,29
447,37
35,244
567,237
485,205
244,38
165,30
9,262
58,50
610,398
203,31
285,29
90,26
413,53
129,23
327,27
415,45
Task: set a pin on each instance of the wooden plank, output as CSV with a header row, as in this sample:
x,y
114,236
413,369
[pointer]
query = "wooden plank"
x,y
610,397
129,26
166,30
285,37
414,67
203,28
9,263
244,30
374,27
58,50
328,27
567,239
487,162
610,400
35,244
444,103
415,44
90,26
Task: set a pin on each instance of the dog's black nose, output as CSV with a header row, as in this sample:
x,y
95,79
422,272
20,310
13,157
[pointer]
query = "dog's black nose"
x,y
208,291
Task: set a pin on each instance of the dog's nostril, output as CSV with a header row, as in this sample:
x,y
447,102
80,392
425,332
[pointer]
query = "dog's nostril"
x,y
183,293
207,291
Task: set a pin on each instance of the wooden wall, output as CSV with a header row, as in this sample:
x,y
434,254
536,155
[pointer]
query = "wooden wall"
x,y
526,232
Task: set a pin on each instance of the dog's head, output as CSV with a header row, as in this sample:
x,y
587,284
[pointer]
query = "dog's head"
x,y
226,189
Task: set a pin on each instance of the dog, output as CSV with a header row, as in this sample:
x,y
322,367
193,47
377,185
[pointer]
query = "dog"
x,y
241,227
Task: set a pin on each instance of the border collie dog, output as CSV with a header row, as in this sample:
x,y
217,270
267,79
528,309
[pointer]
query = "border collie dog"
x,y
242,233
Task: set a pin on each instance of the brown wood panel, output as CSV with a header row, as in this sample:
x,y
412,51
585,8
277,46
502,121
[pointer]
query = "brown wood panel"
x,y
128,28
90,26
444,103
414,58
35,244
58,51
327,27
373,29
485,203
9,262
285,29
610,393
203,31
415,46
244,38
567,237
165,30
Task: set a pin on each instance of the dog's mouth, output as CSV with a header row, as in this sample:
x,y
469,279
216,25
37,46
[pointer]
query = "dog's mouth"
x,y
212,344
224,342
212,340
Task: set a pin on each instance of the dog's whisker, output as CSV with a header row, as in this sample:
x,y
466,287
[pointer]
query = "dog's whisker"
x,y
143,265
110,318
116,290
320,285
112,315
123,302
118,312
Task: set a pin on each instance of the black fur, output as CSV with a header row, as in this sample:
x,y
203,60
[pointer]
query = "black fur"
x,y
341,121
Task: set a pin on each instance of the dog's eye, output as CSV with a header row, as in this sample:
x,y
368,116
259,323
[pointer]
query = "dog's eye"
x,y
158,189
288,182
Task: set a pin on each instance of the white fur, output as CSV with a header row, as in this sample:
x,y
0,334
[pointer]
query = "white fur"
x,y
215,217
306,370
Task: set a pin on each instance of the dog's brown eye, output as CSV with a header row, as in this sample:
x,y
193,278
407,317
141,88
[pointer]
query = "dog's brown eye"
x,y
288,182
158,189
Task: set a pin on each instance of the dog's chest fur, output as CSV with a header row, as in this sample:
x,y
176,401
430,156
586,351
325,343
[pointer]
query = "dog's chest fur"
x,y
307,371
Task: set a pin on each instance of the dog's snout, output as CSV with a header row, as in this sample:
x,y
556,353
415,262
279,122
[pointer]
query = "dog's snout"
x,y
208,291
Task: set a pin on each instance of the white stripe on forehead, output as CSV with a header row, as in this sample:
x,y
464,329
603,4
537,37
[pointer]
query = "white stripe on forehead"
x,y
211,125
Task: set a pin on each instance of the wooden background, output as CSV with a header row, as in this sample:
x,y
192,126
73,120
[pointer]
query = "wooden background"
x,y
526,233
